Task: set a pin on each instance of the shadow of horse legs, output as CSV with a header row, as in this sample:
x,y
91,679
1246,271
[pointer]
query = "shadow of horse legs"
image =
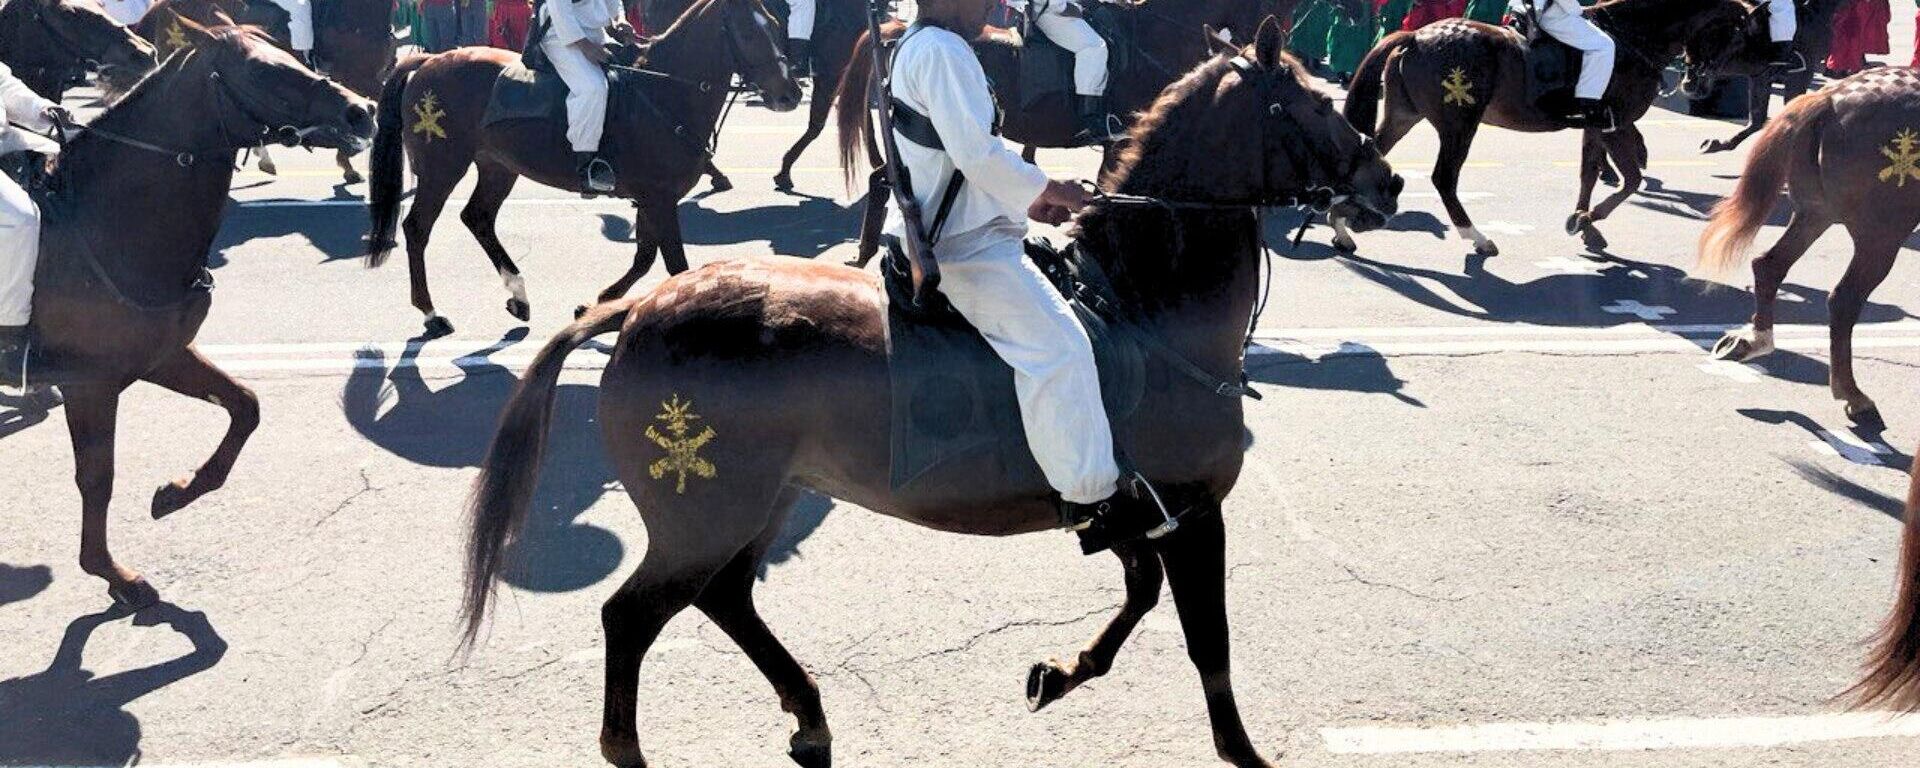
x,y
18,583
1864,444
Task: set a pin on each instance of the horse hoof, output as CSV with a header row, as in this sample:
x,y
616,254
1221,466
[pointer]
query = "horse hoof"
x,y
809,755
1739,347
1867,415
519,310
1486,248
783,183
1609,178
1712,146
722,184
1592,238
269,169
1577,222
173,497
1046,683
438,327
579,311
354,177
623,755
1345,245
133,595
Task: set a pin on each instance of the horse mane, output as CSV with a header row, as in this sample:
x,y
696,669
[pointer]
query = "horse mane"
x,y
695,11
1153,130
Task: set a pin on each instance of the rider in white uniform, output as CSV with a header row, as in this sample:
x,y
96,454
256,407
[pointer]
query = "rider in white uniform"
x,y
299,26
1783,23
985,273
1065,23
19,221
800,36
1566,21
575,41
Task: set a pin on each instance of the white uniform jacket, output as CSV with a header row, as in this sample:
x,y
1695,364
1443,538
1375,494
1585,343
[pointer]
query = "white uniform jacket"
x,y
21,106
576,20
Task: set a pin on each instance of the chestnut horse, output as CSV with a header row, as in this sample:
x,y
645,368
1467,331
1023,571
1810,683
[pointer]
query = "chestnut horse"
x,y
770,375
1892,676
52,44
1847,155
1813,38
122,288
1459,74
659,150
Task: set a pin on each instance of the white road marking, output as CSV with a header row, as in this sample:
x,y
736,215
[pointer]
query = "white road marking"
x,y
1849,447
1503,228
1744,373
1573,266
1676,733
289,762
1637,309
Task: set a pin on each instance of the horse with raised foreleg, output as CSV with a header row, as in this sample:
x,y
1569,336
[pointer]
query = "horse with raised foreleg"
x,y
1813,39
1848,155
660,147
132,211
1459,74
761,377
52,44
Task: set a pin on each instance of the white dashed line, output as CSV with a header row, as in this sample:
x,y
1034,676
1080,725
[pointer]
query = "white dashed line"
x,y
1678,733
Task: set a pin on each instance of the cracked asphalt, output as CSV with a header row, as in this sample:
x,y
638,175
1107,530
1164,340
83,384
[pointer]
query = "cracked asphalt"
x,y
1477,492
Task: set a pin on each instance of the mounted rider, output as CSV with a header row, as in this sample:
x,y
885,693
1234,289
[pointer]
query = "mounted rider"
x,y
19,221
945,127
574,36
800,15
1783,24
299,28
1567,22
1065,23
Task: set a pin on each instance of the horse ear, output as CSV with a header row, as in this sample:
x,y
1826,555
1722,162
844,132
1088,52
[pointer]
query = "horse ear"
x,y
1270,43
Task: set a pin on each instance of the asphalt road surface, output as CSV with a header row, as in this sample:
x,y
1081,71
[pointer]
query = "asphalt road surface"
x,y
1499,513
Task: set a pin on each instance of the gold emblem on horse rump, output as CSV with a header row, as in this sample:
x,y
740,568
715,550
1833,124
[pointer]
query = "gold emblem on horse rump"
x,y
1459,90
1904,151
176,36
681,443
427,115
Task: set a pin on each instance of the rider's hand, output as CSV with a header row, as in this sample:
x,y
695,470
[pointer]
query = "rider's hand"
x,y
1058,202
624,32
58,115
595,52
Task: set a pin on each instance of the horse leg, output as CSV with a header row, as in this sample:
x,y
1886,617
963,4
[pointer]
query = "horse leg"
x,y
482,215
1806,226
817,111
879,192
1455,141
1029,153
1052,679
720,181
428,200
1195,560
1621,148
666,228
92,420
728,601
1873,252
1759,91
266,162
347,172
190,373
646,244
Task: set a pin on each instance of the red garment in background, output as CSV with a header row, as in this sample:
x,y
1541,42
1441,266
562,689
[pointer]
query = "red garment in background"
x,y
1859,29
512,21
1426,12
1916,40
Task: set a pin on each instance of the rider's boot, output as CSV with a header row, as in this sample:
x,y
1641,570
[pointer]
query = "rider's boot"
x,y
1594,113
1787,59
800,57
14,346
596,175
1134,511
1097,125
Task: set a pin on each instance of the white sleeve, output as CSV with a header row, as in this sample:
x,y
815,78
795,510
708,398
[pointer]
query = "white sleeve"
x,y
566,25
20,104
617,11
961,111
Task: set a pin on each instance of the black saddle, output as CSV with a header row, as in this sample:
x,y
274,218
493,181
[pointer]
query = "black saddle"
x,y
1552,67
953,397
532,91
1046,69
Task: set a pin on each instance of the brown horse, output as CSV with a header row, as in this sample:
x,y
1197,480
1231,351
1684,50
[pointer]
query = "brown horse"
x,y
1814,39
770,375
659,149
123,288
1459,74
1892,676
163,25
1847,155
52,44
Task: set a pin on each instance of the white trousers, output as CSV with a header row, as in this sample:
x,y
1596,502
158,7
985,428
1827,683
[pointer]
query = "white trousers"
x,y
986,275
586,94
1596,67
19,252
299,23
1076,35
800,19
1783,21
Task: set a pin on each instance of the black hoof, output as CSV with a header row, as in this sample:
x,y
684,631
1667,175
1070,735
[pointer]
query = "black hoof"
x,y
170,499
354,177
438,327
783,183
722,184
1045,685
1868,417
1609,178
1593,239
133,596
519,310
1575,223
579,311
812,755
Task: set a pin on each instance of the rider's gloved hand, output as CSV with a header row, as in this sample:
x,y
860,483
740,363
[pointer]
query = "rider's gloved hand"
x,y
1058,202
58,115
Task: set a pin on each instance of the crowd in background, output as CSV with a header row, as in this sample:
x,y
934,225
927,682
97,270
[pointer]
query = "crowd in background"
x,y
443,25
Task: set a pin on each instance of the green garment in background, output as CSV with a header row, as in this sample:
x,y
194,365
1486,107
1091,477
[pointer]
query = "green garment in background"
x,y
1488,11
406,15
1350,39
1393,15
1312,21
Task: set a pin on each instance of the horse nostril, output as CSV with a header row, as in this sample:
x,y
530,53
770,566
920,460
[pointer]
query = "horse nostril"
x,y
359,118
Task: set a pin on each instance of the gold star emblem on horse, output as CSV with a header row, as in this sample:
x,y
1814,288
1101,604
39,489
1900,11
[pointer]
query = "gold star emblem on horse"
x,y
1904,151
1459,91
681,444
427,116
176,37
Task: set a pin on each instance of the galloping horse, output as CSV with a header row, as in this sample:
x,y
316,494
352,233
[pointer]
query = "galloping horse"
x,y
1171,36
123,288
1813,38
1459,74
1893,667
51,44
660,148
782,364
1850,155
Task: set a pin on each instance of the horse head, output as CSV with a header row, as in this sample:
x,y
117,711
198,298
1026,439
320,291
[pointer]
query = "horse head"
x,y
267,91
80,33
759,55
1248,129
1731,40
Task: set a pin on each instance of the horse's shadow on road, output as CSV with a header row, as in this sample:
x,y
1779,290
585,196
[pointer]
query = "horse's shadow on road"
x,y
21,583
337,237
805,230
66,715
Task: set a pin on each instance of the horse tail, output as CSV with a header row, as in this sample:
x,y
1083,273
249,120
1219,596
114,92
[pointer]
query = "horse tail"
x,y
1738,218
850,107
1369,84
504,490
387,163
1893,667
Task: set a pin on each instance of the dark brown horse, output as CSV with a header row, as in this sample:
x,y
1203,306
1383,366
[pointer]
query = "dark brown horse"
x,y
122,287
52,44
1892,676
660,149
1847,155
766,376
163,27
1813,39
1459,74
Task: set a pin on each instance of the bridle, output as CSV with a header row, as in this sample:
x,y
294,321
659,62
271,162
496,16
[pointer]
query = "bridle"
x,y
735,56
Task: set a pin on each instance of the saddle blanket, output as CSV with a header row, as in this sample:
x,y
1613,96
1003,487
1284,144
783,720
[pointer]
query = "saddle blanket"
x,y
1046,69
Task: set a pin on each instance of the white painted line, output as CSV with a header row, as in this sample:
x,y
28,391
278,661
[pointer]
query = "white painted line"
x,y
1849,447
290,762
1637,309
1574,266
1744,373
1678,733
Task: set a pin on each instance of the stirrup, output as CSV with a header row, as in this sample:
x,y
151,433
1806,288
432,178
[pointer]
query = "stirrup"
x,y
591,181
1169,523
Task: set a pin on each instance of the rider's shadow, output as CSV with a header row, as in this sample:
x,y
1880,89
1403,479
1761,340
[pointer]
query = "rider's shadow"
x,y
66,715
337,236
396,408
814,226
